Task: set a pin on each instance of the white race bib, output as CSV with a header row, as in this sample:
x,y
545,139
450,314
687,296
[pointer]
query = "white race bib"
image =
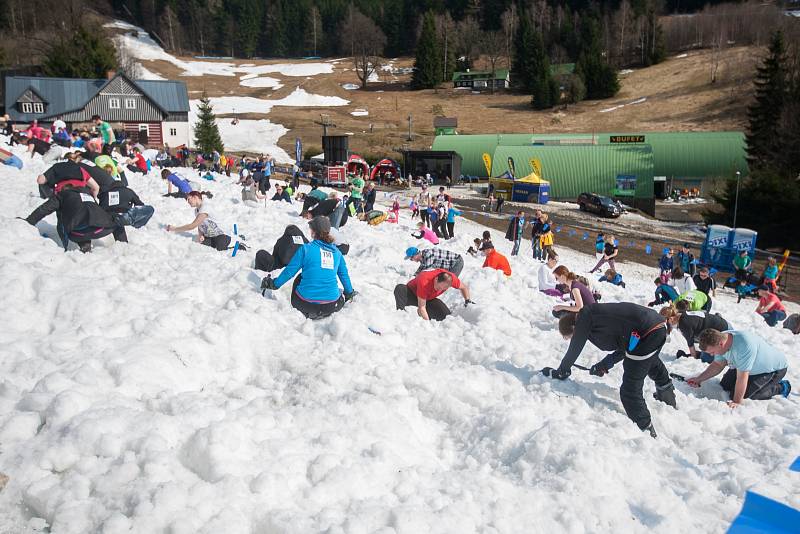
x,y
113,198
297,239
326,259
87,198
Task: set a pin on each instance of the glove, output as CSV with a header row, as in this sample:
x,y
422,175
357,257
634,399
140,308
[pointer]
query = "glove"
x,y
348,297
598,369
555,373
267,283
467,302
682,354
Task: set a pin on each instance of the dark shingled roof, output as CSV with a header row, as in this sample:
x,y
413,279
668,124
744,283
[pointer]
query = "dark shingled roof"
x,y
66,94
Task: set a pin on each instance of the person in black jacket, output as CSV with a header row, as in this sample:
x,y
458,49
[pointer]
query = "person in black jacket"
x,y
690,324
81,219
53,180
636,335
369,197
281,194
704,282
285,247
126,207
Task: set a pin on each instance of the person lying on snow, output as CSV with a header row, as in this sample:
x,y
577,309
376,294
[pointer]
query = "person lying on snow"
x,y
756,368
315,292
636,335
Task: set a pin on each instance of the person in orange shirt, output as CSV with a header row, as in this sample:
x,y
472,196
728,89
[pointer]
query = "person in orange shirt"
x,y
494,259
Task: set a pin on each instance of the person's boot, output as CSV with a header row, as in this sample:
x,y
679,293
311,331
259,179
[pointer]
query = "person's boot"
x,y
666,394
85,247
652,431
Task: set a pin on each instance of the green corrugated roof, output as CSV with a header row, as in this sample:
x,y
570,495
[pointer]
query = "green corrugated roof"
x,y
572,170
675,154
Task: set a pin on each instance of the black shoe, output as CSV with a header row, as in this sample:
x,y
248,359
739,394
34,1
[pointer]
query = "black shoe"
x,y
667,396
652,431
86,246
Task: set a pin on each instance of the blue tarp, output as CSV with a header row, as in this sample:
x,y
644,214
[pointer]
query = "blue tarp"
x,y
760,514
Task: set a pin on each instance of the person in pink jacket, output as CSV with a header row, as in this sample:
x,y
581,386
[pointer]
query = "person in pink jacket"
x,y
426,233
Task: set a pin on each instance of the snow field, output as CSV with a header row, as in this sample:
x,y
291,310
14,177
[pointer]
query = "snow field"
x,y
149,387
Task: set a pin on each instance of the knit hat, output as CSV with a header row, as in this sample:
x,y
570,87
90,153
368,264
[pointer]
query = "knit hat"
x,y
411,252
320,225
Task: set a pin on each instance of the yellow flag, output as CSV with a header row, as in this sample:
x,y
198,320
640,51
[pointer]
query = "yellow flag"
x,y
487,162
536,166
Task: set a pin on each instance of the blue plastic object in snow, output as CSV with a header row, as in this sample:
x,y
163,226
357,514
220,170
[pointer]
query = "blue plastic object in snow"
x,y
585,236
648,249
795,465
665,251
760,514
558,229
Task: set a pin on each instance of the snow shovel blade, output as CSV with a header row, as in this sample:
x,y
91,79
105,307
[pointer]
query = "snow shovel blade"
x,y
678,377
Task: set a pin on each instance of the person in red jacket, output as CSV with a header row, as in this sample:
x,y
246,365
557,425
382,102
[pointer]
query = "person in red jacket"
x,y
137,163
494,259
423,291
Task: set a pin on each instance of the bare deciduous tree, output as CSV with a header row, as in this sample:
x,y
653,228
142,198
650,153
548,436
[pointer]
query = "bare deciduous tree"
x,y
368,48
493,45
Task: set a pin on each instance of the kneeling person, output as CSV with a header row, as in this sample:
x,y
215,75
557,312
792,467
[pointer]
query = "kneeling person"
x,y
423,291
756,368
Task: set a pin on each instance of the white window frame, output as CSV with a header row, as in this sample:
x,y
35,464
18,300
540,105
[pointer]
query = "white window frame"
x,y
38,107
113,103
173,132
27,107
130,103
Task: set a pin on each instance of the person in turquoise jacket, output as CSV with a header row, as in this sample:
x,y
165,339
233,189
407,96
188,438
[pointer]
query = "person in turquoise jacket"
x,y
452,213
315,292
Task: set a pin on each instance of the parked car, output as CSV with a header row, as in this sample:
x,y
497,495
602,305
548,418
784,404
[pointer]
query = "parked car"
x,y
310,165
603,206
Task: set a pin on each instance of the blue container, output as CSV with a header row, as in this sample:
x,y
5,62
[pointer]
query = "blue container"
x,y
529,192
723,243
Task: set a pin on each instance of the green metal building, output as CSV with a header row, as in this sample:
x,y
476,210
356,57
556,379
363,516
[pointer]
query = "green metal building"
x,y
686,157
571,170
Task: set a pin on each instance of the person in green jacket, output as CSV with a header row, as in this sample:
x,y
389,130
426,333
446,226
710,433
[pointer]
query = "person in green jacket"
x,y
357,184
105,130
742,264
692,300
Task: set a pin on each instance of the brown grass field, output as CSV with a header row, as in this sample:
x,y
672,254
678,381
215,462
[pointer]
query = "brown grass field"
x,y
678,93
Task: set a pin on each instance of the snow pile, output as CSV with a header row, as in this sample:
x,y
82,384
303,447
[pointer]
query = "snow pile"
x,y
259,135
250,80
138,44
350,86
149,387
359,113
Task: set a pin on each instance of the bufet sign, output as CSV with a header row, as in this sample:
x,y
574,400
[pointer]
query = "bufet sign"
x,y
627,139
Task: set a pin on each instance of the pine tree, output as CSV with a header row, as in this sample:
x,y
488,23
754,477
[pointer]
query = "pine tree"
x,y
428,61
764,114
599,77
206,131
97,56
545,89
523,51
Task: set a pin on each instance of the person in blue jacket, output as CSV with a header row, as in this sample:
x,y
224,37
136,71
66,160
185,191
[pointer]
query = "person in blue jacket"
x,y
665,293
181,184
315,292
452,213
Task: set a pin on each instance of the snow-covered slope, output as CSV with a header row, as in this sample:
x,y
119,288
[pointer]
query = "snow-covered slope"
x,y
149,387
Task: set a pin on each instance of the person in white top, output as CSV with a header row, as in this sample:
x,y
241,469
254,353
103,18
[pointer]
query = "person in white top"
x,y
681,281
547,282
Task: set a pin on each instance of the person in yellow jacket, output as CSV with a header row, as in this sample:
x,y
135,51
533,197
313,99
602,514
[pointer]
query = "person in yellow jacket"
x,y
547,238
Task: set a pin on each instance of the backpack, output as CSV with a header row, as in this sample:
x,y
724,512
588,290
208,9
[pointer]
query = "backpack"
x,y
85,176
792,323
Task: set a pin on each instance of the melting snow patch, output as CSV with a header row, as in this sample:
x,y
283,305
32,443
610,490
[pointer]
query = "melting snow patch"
x,y
263,81
359,113
349,86
681,56
138,44
623,72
